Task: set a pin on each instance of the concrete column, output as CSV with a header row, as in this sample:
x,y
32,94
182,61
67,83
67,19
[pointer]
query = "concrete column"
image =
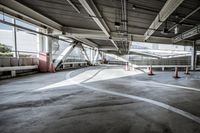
x,y
45,48
96,56
49,49
15,39
41,44
91,55
42,41
194,57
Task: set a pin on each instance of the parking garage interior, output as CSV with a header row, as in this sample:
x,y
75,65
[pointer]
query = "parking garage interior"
x,y
95,66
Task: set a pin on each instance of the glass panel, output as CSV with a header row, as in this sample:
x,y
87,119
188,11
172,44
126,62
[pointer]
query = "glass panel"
x,y
25,24
58,47
26,44
6,40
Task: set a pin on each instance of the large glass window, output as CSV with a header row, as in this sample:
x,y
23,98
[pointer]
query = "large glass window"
x,y
6,40
26,44
26,41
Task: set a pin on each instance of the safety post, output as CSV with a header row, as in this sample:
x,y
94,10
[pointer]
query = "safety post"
x,y
176,73
150,71
187,71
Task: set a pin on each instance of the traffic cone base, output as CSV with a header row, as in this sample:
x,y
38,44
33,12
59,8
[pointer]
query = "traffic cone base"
x,y
176,73
150,72
187,71
176,77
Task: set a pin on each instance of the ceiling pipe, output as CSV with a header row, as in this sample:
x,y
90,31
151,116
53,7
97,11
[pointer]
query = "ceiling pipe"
x,y
183,19
125,18
74,6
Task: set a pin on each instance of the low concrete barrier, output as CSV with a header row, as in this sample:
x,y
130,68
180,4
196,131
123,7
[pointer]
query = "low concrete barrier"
x,y
67,65
14,64
12,61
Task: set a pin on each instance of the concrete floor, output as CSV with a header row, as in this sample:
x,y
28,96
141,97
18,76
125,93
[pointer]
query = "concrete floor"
x,y
102,99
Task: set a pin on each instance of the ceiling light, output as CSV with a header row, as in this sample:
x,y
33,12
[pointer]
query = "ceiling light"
x,y
133,7
117,25
176,30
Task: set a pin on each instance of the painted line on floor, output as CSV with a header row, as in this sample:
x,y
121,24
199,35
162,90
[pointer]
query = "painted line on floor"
x,y
160,104
176,86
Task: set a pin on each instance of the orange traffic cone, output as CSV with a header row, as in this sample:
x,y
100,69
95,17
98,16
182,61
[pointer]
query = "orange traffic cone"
x,y
150,71
176,73
187,71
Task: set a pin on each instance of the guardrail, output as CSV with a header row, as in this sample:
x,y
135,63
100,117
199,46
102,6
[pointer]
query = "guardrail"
x,y
163,66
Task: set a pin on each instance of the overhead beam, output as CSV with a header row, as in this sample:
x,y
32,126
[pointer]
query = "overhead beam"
x,y
187,34
133,52
83,33
87,42
186,17
96,16
99,35
74,6
32,31
169,7
25,13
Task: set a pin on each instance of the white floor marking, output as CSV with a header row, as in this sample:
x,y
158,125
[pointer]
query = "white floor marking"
x,y
160,104
176,86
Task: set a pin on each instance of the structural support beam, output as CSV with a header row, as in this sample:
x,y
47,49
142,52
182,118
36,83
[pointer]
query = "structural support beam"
x,y
96,16
86,41
132,52
65,53
85,54
82,34
15,39
74,6
30,30
23,12
190,33
169,7
186,17
96,56
194,57
121,59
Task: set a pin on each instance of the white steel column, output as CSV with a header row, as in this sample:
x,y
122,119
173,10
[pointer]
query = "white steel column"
x,y
96,56
15,39
64,54
85,54
194,57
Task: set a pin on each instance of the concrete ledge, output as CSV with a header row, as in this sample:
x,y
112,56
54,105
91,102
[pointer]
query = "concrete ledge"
x,y
16,68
